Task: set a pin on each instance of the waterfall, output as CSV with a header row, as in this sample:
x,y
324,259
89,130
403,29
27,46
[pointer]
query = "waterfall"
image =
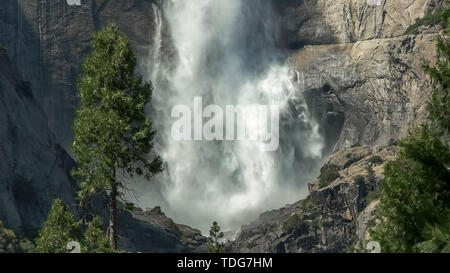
x,y
227,55
155,50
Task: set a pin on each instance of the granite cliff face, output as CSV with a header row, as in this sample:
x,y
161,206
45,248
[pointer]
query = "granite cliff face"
x,y
367,92
362,79
47,41
333,218
34,167
315,22
364,83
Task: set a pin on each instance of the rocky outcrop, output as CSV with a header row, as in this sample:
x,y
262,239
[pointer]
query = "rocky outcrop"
x,y
329,219
367,92
153,232
314,22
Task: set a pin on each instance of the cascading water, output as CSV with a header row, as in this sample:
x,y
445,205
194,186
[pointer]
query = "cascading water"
x,y
154,57
226,55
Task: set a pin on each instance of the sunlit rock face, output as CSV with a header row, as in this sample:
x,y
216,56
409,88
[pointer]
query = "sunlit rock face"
x,y
312,22
344,69
332,219
368,92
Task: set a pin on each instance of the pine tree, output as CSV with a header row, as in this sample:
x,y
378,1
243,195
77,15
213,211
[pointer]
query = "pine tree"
x,y
112,134
415,192
414,212
95,240
214,243
59,229
439,107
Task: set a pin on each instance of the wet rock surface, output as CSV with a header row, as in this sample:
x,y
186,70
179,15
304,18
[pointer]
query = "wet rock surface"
x,y
333,218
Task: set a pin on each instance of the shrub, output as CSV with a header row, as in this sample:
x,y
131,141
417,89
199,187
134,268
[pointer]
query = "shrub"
x,y
376,160
295,223
430,19
328,174
95,240
10,242
59,229
359,179
129,206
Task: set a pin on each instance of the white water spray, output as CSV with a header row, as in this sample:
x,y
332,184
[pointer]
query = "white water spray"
x,y
226,55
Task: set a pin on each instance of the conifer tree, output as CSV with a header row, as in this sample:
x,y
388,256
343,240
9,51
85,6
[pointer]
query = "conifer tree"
x,y
214,243
59,229
414,212
95,239
112,134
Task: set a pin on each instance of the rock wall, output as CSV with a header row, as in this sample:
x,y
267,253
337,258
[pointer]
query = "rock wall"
x,y
332,219
367,92
34,167
47,41
363,79
313,22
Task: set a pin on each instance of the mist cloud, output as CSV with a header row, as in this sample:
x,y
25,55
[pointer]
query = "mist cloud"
x,y
227,56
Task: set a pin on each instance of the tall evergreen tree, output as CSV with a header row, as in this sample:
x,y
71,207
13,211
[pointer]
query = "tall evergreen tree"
x,y
414,212
59,229
111,131
415,192
439,106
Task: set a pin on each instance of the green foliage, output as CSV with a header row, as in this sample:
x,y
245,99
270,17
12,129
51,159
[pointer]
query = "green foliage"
x,y
251,244
415,193
129,206
328,174
375,160
59,229
359,179
11,243
371,178
295,223
214,243
111,130
437,239
439,107
432,18
95,239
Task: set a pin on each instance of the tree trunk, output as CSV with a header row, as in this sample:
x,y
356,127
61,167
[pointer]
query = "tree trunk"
x,y
113,216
